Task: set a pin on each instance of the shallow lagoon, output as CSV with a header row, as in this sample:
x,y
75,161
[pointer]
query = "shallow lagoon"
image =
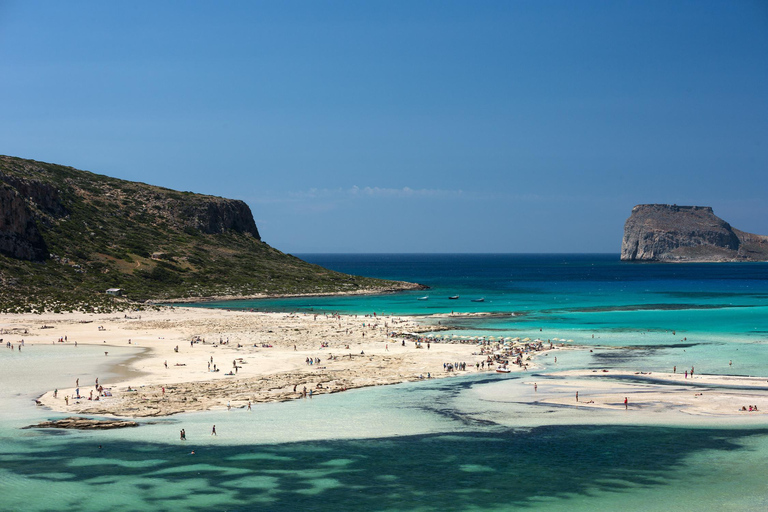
x,y
437,445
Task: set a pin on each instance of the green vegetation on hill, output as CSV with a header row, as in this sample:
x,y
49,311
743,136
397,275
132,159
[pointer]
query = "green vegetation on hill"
x,y
68,235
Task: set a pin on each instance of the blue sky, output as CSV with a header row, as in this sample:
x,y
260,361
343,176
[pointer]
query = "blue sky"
x,y
413,126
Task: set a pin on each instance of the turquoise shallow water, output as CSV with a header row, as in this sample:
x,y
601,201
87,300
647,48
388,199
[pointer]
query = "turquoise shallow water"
x,y
433,445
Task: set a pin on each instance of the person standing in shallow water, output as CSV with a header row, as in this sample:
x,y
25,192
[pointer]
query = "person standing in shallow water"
x,y
213,431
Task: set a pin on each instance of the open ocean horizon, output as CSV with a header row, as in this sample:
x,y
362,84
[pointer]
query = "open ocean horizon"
x,y
434,445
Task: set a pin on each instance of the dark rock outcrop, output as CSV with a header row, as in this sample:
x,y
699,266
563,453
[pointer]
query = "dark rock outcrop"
x,y
19,236
662,232
85,424
221,215
23,203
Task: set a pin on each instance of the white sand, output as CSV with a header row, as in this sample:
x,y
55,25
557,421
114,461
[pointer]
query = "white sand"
x,y
263,373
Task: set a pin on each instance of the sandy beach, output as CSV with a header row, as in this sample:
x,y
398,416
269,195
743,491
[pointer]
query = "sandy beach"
x,y
662,393
190,359
193,359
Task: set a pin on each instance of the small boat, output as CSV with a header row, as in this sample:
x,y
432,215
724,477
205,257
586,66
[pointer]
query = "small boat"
x,y
426,297
453,297
502,369
478,300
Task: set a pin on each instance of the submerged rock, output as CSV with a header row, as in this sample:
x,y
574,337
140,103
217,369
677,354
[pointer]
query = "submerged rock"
x,y
85,424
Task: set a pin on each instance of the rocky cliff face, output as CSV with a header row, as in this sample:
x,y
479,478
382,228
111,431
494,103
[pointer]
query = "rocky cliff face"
x,y
661,232
21,204
215,215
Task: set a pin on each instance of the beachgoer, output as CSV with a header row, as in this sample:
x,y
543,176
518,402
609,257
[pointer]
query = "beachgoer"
x,y
577,396
249,405
213,431
625,403
535,387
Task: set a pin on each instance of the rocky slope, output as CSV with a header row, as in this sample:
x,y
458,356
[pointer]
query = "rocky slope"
x,y
67,233
662,232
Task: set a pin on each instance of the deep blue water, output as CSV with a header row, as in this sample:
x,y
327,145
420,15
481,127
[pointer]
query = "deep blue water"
x,y
581,294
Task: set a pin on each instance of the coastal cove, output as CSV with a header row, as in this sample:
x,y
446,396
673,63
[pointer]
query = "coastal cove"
x,y
475,440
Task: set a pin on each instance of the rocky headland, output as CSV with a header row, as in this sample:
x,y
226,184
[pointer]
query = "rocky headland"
x,y
672,233
66,236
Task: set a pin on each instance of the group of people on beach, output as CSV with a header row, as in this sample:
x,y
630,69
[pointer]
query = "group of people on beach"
x,y
10,345
674,370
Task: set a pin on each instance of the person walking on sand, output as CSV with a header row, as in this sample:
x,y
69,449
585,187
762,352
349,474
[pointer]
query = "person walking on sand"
x,y
213,431
249,405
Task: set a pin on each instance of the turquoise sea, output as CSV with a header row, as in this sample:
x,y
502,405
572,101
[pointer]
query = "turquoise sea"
x,y
439,444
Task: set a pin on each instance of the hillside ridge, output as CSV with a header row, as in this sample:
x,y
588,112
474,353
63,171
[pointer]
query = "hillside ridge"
x,y
67,233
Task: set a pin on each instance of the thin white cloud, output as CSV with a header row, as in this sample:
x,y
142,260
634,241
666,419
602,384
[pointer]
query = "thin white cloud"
x,y
355,191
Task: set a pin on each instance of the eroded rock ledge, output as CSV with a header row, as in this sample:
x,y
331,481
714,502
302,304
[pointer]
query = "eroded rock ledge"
x,y
85,424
